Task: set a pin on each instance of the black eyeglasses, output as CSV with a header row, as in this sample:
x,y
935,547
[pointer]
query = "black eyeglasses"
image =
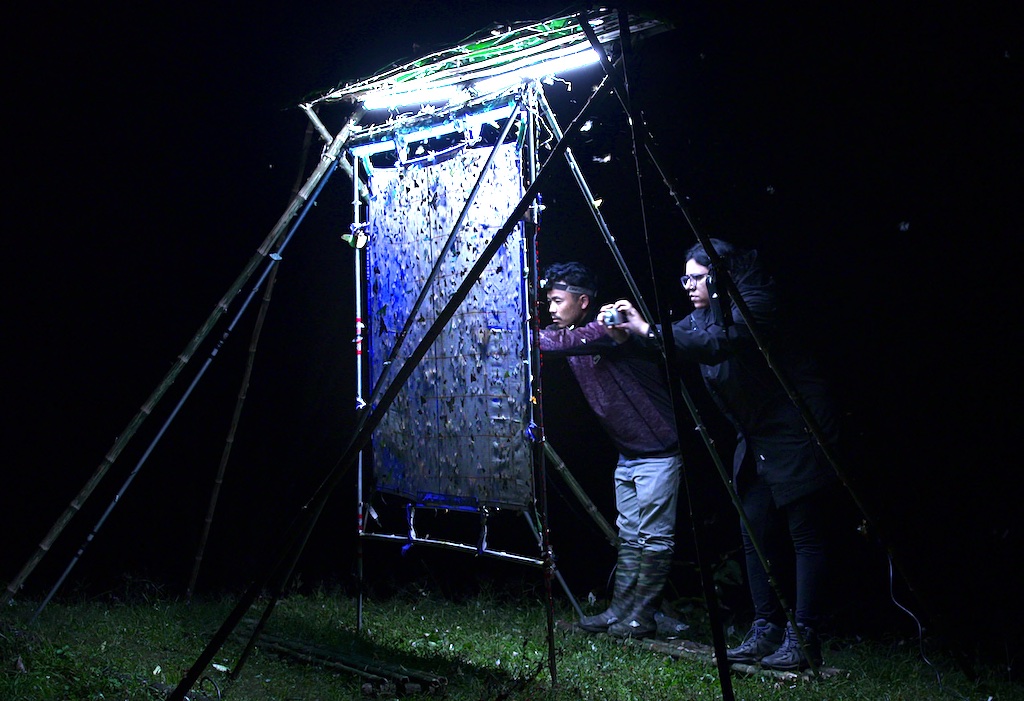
x,y
695,279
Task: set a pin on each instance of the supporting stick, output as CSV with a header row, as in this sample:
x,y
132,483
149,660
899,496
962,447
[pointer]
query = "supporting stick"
x,y
229,441
180,404
219,310
588,505
537,429
538,531
707,584
358,305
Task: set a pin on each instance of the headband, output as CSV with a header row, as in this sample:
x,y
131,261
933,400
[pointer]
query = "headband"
x,y
568,288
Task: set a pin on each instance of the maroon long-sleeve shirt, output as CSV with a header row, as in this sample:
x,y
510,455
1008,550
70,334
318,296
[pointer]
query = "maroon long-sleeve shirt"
x,y
625,384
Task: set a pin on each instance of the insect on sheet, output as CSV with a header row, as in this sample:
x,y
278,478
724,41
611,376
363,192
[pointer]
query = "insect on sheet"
x,y
455,435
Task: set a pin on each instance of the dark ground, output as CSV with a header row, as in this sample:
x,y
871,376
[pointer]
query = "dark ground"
x,y
871,154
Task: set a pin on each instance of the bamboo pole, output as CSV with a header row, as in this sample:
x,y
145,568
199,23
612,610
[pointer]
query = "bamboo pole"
x,y
710,597
184,357
181,402
229,440
236,417
588,504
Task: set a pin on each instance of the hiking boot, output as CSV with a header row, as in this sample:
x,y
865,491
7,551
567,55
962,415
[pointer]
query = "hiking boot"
x,y
762,639
790,656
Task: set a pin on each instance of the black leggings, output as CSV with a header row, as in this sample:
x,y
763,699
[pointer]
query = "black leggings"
x,y
796,531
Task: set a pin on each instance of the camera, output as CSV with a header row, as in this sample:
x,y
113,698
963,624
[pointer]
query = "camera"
x,y
612,317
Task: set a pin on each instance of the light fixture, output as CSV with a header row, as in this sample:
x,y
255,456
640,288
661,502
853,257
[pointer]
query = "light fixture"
x,y
470,123
513,74
490,63
536,71
390,99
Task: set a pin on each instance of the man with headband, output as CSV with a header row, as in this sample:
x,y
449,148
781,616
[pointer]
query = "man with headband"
x,y
626,386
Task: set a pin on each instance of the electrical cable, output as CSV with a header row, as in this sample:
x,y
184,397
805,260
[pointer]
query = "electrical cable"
x,y
917,622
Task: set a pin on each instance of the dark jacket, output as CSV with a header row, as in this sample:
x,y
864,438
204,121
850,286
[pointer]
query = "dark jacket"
x,y
624,384
773,440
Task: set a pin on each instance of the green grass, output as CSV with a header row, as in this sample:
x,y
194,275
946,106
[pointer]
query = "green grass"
x,y
491,646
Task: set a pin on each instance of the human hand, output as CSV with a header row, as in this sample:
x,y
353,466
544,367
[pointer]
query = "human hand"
x,y
629,319
607,313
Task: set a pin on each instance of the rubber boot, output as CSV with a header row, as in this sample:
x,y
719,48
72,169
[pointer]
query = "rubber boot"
x,y
627,570
641,623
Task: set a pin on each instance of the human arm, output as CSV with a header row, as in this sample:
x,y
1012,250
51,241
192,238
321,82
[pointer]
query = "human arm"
x,y
695,338
590,339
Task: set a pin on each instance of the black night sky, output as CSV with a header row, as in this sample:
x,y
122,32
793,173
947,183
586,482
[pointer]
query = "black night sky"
x,y
871,153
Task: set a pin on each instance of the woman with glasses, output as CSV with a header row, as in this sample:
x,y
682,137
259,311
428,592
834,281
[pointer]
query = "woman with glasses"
x,y
779,471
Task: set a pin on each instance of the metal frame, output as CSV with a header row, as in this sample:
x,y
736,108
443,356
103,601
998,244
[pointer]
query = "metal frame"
x,y
400,135
468,67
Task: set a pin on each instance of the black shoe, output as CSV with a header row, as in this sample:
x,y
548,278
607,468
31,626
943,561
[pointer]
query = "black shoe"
x,y
762,639
790,656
